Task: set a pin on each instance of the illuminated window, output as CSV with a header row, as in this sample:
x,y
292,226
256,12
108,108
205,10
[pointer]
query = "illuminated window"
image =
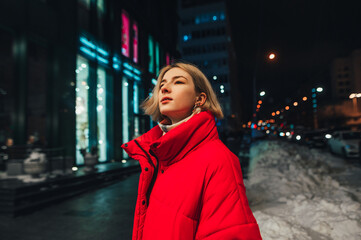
x,y
136,109
100,5
125,113
101,114
81,107
135,42
125,33
151,54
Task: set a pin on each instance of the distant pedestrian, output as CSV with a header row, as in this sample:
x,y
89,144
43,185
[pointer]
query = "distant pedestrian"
x,y
191,184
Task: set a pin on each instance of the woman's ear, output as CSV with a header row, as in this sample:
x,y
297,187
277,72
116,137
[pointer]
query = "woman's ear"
x,y
201,98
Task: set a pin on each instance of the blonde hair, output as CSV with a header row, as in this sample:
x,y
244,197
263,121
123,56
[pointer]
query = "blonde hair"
x,y
201,84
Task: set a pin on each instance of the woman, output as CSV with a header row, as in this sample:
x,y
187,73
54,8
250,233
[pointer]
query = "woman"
x,y
191,185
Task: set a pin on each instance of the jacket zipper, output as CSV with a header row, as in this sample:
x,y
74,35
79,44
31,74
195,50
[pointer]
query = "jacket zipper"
x,y
154,177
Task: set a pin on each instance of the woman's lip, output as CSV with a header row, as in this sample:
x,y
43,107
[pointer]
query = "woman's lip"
x,y
166,100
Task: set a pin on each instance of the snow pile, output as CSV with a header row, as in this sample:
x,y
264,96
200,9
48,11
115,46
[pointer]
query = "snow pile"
x,y
293,195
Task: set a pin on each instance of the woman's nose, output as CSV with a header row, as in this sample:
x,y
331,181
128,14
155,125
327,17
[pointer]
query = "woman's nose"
x,y
165,88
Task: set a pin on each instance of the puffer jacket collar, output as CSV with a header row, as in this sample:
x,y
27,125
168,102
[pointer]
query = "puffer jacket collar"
x,y
177,143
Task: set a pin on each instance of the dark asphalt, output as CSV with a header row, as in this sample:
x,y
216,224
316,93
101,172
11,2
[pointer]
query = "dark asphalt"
x,y
103,214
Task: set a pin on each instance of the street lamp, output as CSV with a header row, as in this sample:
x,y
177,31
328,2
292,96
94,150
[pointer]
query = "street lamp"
x,y
271,56
262,93
354,97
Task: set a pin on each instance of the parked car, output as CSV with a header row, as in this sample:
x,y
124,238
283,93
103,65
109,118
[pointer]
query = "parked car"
x,y
311,138
345,143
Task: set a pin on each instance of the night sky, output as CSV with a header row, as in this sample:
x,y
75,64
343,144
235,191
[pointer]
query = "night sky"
x,y
306,36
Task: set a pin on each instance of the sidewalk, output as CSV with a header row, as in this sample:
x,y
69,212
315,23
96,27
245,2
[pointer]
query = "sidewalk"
x,y
103,214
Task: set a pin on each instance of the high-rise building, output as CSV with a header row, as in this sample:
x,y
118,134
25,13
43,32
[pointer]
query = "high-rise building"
x,y
204,40
346,75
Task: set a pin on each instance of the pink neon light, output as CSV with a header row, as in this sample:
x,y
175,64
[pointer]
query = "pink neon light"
x,y
135,42
125,33
167,58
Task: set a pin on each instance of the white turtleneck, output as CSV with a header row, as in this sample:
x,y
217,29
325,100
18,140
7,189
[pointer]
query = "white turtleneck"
x,y
166,128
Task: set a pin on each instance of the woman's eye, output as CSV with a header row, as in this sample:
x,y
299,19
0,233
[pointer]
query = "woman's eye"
x,y
178,82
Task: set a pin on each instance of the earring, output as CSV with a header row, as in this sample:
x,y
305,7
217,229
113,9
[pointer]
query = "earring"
x,y
195,106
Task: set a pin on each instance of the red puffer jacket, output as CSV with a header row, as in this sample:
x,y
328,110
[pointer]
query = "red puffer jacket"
x,y
190,186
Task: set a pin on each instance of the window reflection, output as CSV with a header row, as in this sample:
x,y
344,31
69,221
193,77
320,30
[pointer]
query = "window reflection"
x,y
81,107
101,114
125,113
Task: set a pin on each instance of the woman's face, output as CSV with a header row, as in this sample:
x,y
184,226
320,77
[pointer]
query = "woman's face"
x,y
177,95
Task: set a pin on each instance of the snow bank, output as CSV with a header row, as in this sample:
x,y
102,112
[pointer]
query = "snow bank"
x,y
294,195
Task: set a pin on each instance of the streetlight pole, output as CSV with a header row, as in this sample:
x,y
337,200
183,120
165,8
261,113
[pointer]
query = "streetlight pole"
x,y
314,105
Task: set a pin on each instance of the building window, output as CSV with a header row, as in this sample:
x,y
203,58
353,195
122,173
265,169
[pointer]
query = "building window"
x,y
100,6
101,114
125,33
81,107
125,113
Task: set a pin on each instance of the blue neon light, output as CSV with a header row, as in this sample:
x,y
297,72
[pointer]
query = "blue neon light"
x,y
116,66
88,52
136,77
115,59
103,52
136,71
103,60
214,18
129,74
314,105
87,43
314,95
126,65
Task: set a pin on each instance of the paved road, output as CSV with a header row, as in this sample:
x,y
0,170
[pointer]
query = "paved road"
x,y
103,214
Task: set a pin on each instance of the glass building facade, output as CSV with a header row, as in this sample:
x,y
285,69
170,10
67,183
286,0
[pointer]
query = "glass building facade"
x,y
80,77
